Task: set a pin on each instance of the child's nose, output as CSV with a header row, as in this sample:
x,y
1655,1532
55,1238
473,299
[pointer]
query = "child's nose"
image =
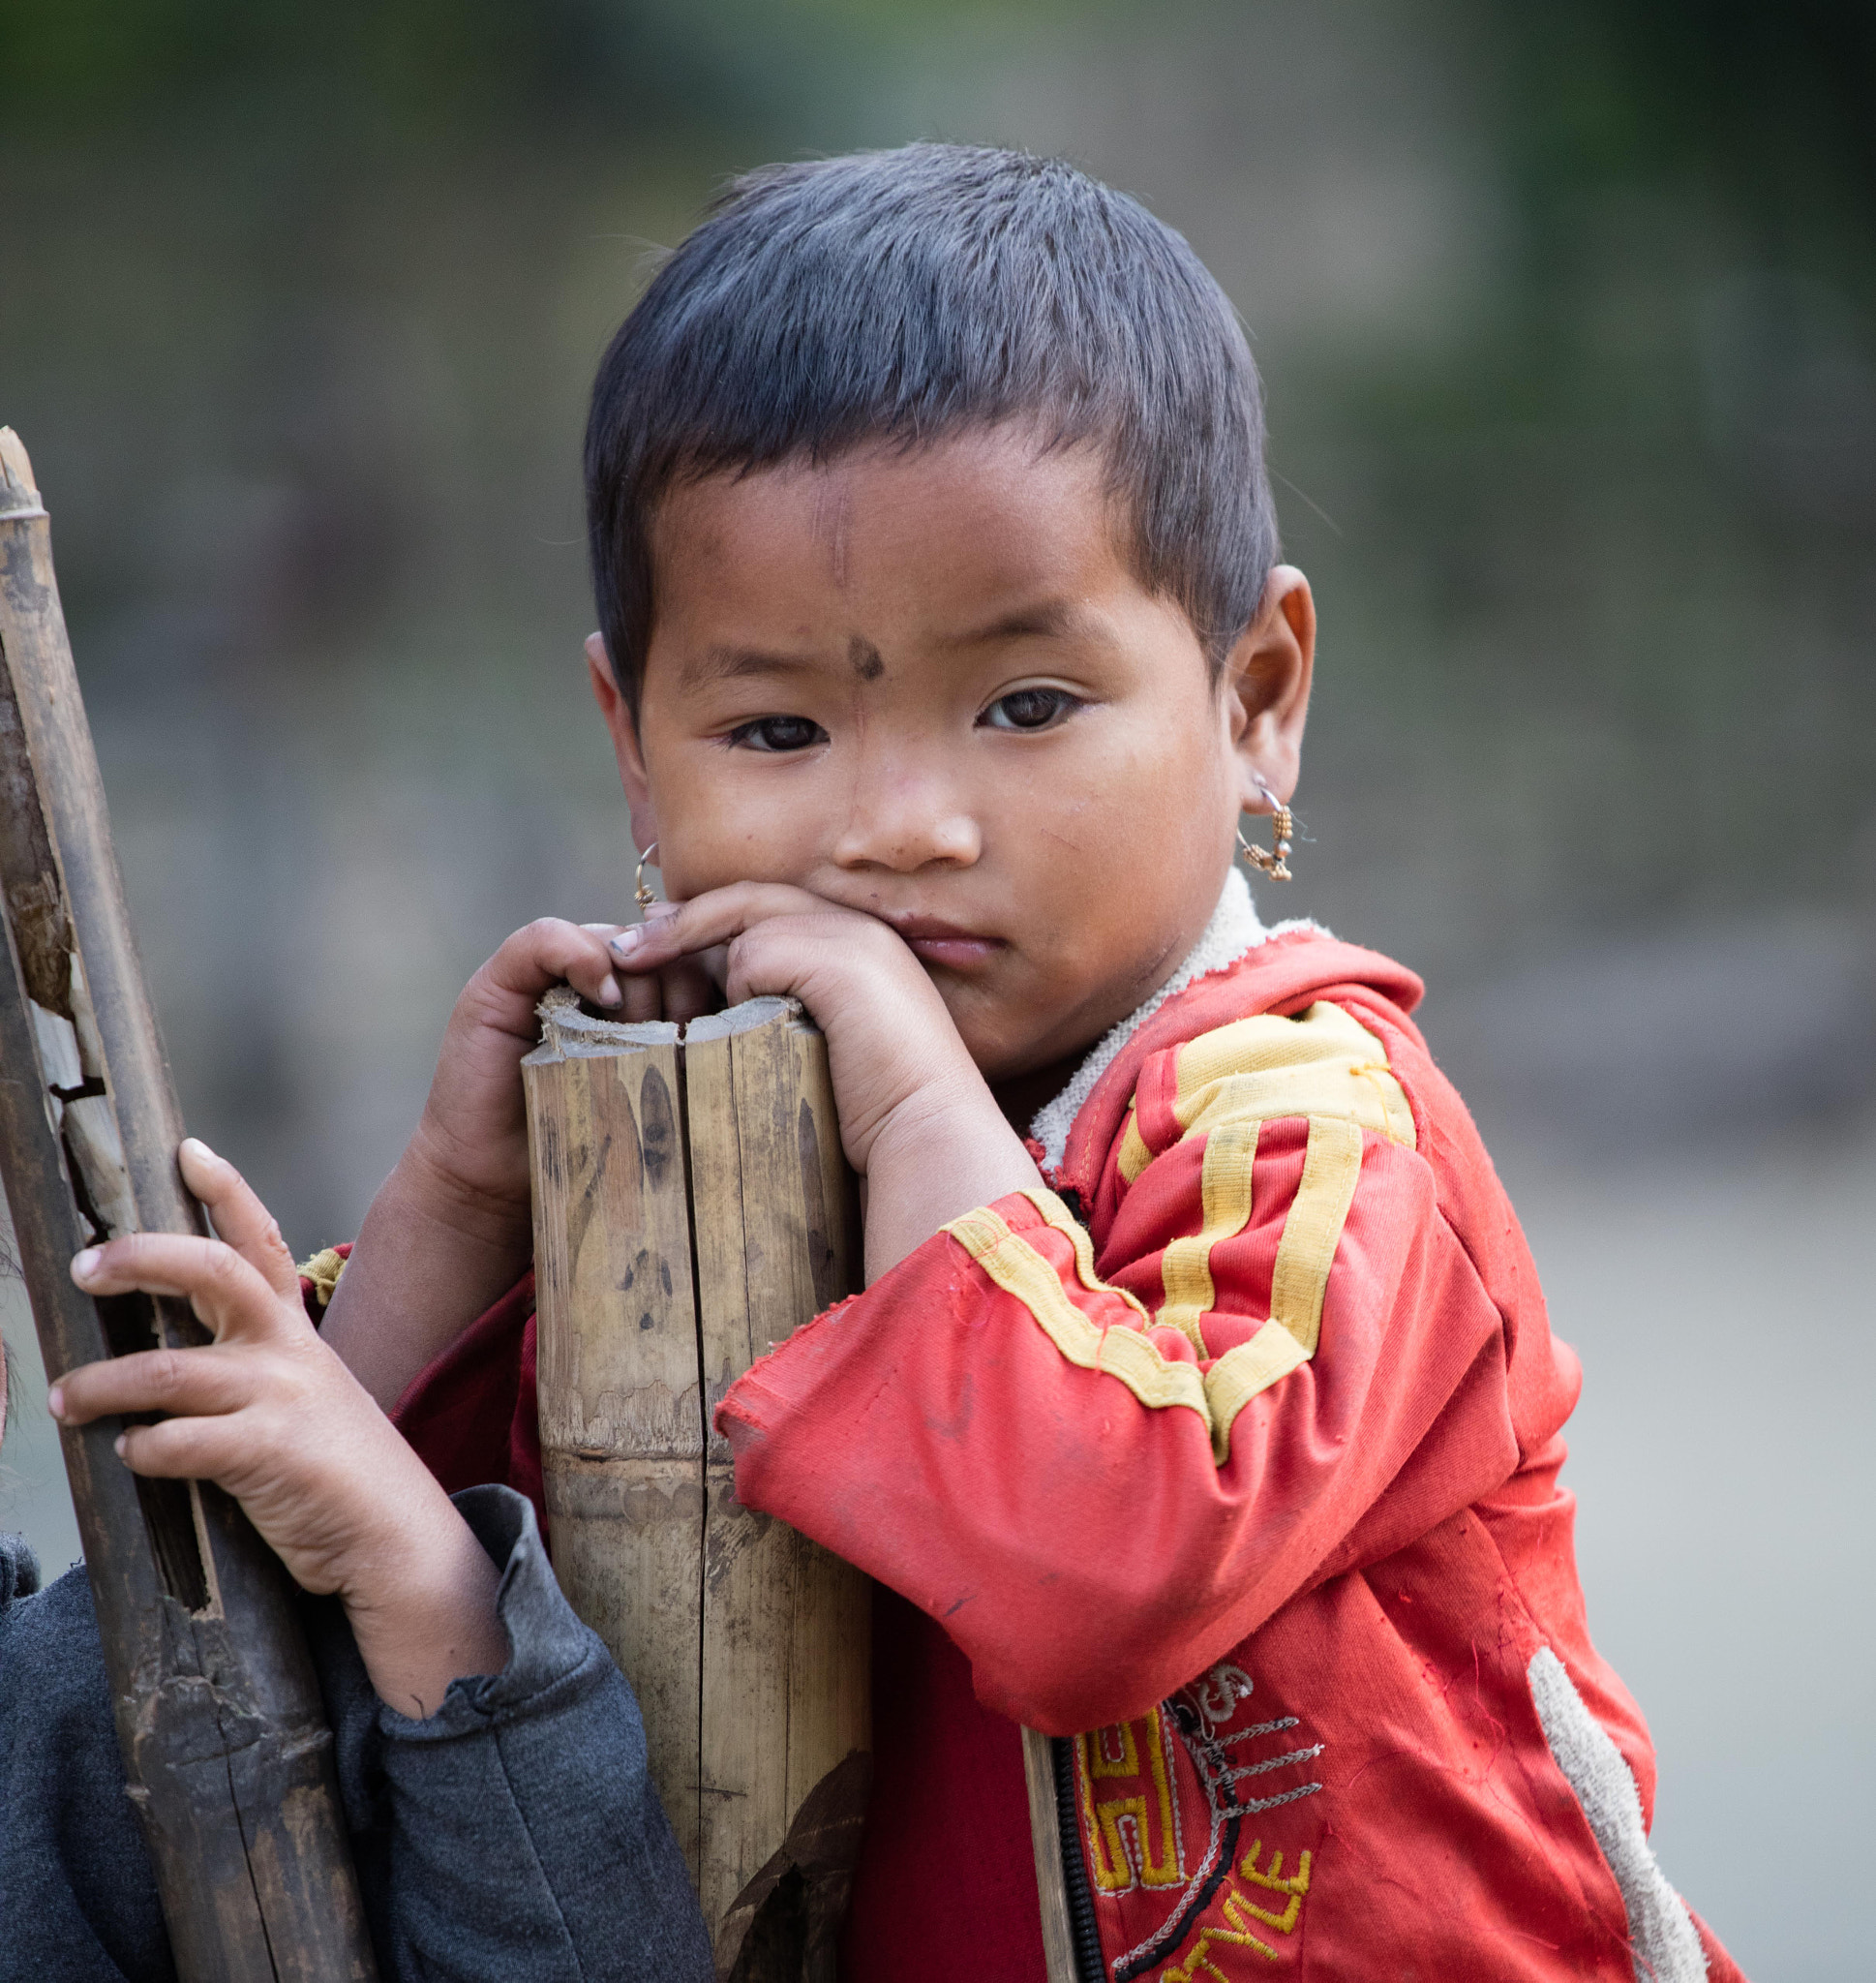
x,y
906,826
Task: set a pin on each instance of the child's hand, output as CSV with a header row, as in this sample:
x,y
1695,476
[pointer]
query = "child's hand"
x,y
473,1137
269,1413
890,1039
450,1230
917,1118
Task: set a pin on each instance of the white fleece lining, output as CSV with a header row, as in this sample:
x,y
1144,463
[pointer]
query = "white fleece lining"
x,y
1233,931
1664,1944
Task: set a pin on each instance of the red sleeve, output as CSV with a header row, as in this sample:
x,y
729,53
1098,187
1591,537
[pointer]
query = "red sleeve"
x,y
1720,1966
1098,1500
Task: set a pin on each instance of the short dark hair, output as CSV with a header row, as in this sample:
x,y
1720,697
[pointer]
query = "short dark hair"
x,y
906,296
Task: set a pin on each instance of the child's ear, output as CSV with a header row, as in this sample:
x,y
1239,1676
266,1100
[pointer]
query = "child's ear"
x,y
1266,687
624,732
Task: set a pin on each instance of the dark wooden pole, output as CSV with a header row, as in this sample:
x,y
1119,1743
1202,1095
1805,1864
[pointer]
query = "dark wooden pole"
x,y
225,1742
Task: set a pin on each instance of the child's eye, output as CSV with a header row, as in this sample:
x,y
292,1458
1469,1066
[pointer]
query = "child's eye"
x,y
778,733
1029,709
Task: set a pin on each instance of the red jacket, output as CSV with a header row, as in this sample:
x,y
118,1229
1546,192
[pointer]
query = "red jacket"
x,y
1232,1461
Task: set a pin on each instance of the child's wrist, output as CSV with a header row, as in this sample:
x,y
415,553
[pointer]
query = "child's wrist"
x,y
424,1186
430,1257
949,1109
421,1604
938,1155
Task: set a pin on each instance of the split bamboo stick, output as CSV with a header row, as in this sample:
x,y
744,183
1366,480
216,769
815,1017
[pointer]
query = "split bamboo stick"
x,y
217,1708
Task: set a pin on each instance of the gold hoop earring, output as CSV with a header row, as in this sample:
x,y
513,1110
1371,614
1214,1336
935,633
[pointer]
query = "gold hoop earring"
x,y
642,891
1274,863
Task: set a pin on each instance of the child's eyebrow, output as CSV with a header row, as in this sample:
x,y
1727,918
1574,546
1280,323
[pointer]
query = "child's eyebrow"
x,y
737,663
1048,619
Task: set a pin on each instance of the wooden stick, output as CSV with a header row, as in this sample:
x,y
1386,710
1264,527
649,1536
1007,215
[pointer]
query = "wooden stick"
x,y
692,1208
217,1708
1046,1833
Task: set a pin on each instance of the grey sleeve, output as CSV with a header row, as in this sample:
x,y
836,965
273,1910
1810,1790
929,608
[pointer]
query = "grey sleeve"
x,y
515,1833
77,1898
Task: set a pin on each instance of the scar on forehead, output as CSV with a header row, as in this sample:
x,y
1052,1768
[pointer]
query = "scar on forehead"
x,y
864,656
833,521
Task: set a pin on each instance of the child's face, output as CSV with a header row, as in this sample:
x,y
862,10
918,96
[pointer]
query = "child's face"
x,y
930,687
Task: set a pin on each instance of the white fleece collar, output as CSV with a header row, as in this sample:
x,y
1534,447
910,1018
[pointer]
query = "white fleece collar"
x,y
1233,931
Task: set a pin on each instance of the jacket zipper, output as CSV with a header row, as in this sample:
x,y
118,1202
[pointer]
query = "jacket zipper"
x,y
1084,1938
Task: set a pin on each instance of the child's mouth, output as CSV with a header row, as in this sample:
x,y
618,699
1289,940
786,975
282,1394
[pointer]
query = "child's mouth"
x,y
935,942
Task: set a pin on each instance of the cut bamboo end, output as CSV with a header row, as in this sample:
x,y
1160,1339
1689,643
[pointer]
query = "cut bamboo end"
x,y
18,492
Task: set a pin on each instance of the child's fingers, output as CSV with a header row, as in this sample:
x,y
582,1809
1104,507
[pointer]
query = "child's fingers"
x,y
545,953
643,999
688,988
229,1294
188,1448
191,1383
708,921
680,990
241,1220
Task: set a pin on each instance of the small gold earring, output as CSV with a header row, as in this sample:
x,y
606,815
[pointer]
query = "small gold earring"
x,y
644,891
1273,863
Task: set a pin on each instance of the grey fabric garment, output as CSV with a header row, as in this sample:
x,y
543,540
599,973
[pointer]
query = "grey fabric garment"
x,y
514,1833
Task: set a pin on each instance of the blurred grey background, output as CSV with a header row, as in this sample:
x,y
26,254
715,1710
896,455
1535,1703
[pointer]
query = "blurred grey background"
x,y
1567,316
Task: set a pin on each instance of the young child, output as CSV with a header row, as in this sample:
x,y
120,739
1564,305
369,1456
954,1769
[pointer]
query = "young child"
x,y
1200,1406
503,1826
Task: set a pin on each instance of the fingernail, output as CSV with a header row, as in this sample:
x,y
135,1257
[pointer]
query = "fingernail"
x,y
628,940
119,1444
84,1265
55,1401
610,993
197,1148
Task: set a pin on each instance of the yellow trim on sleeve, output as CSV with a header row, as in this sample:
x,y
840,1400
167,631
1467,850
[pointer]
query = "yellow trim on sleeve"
x,y
978,1232
1313,1228
1079,1237
1320,1064
1218,1395
1019,1270
1134,1156
1224,1190
1240,1374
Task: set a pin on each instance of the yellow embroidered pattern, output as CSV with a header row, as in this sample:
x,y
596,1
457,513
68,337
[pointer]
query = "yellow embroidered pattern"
x,y
1134,1834
1217,1394
323,1270
1240,1911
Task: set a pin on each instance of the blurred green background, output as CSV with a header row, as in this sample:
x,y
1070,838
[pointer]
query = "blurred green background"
x,y
1567,318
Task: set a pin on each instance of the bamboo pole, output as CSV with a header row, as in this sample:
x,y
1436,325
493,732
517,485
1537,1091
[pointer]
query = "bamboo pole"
x,y
217,1708
1039,1767
692,1206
